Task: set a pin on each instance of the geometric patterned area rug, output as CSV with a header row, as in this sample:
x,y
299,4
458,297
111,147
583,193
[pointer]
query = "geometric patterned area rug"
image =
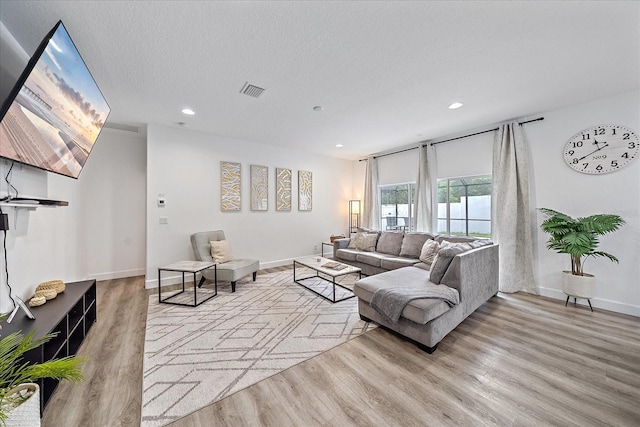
x,y
194,356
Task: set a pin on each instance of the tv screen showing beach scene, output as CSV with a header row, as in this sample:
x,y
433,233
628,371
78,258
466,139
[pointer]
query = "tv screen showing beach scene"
x,y
58,112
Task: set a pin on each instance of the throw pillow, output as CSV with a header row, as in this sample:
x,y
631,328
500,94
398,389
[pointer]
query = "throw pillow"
x,y
480,243
221,251
355,241
429,251
368,242
444,259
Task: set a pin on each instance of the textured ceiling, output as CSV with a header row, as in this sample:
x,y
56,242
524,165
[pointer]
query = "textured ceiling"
x,y
384,72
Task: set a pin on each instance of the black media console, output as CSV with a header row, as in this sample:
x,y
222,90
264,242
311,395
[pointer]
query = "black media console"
x,y
71,314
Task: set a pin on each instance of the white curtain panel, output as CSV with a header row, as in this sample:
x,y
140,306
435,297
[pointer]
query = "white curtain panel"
x,y
426,203
510,213
371,202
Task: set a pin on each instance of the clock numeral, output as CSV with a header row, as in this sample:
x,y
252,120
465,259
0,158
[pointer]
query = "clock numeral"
x,y
614,163
599,131
625,155
599,167
584,166
584,137
570,152
613,131
578,144
574,161
632,145
625,136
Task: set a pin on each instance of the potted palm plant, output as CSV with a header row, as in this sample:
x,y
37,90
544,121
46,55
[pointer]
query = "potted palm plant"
x,y
578,237
17,376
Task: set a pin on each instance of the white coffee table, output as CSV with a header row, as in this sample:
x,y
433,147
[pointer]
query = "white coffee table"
x,y
316,263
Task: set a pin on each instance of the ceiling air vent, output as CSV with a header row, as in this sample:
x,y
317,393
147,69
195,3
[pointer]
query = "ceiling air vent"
x,y
251,90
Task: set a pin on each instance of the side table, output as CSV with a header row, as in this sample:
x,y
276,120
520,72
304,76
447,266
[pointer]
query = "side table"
x,y
183,267
327,244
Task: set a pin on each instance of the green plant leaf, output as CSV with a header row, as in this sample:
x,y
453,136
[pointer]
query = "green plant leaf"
x,y
578,237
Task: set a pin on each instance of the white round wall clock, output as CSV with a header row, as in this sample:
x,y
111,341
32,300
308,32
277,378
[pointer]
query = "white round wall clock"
x,y
602,149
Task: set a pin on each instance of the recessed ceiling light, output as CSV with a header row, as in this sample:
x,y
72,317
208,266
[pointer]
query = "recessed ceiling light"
x,y
188,111
339,145
455,105
318,108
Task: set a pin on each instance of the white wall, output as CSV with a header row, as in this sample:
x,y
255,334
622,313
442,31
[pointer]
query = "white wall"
x,y
101,234
558,187
113,206
185,167
561,188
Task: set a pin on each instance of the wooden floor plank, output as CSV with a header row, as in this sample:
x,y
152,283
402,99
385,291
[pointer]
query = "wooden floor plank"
x,y
519,360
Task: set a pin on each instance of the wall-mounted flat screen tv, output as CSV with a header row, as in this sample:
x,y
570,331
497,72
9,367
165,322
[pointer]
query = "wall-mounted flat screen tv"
x,y
55,112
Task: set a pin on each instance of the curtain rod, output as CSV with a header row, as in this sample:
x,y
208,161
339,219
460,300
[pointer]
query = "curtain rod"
x,y
479,133
452,139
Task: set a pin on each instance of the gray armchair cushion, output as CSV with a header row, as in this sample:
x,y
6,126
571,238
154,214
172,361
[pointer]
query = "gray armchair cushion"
x,y
201,245
390,243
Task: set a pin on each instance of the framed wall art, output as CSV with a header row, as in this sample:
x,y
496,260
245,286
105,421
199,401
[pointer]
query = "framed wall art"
x,y
259,191
230,188
283,189
305,193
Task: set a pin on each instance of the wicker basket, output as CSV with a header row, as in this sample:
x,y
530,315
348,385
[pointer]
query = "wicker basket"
x,y
332,238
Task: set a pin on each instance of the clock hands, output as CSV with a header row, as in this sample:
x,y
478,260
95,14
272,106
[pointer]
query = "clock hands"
x,y
596,150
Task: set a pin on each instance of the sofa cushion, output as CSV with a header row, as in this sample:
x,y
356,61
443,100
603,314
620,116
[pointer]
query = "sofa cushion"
x,y
444,258
480,243
420,310
370,258
391,263
390,243
429,251
455,239
412,244
422,265
347,254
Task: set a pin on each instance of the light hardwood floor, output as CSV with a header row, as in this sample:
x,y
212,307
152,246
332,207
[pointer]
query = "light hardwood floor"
x,y
519,360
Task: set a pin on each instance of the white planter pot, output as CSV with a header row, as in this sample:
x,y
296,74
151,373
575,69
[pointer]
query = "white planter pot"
x,y
27,414
579,286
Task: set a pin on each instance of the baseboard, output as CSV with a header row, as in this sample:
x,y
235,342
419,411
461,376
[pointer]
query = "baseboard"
x,y
278,263
604,304
117,274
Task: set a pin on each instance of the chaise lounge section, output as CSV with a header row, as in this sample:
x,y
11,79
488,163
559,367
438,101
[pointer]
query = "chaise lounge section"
x,y
467,265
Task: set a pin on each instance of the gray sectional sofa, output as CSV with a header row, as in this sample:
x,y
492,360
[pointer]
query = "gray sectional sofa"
x,y
464,266
390,250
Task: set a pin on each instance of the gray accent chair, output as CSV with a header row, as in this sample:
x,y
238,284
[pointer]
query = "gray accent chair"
x,y
231,271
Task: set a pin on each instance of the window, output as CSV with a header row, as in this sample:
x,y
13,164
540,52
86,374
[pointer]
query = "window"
x,y
397,207
464,206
